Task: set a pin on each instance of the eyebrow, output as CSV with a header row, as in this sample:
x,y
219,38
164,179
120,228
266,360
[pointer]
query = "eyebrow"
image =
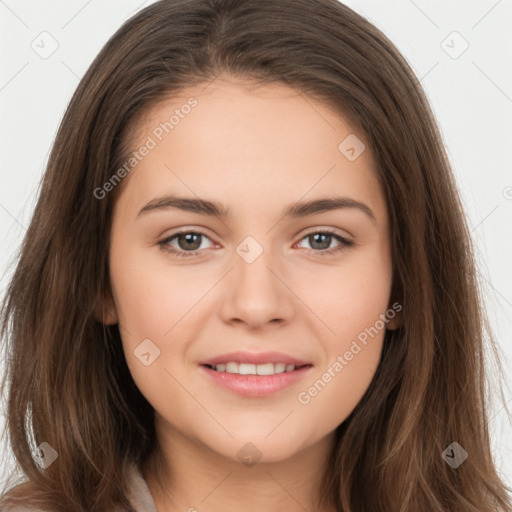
x,y
220,211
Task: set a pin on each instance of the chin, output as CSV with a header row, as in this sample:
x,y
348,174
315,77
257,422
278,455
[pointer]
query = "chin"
x,y
257,447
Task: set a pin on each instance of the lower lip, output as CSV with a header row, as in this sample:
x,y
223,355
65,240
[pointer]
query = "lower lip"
x,y
256,385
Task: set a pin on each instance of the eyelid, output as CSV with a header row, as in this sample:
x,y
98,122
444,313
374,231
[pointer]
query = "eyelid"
x,y
315,229
330,230
344,241
164,242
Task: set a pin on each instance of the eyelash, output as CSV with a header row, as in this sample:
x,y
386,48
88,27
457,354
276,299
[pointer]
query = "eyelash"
x,y
344,243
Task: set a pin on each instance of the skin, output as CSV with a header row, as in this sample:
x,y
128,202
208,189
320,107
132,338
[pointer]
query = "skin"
x,y
257,150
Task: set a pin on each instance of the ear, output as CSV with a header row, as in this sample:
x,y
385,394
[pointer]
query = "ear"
x,y
395,311
105,309
397,320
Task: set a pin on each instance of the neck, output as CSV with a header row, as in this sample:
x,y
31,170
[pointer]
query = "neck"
x,y
190,476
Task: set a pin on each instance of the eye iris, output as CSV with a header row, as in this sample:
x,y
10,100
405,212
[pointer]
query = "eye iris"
x,y
191,242
324,244
188,237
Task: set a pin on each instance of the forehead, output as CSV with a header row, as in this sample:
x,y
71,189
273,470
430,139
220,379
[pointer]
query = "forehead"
x,y
252,143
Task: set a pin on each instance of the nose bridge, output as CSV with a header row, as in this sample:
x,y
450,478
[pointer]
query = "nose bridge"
x,y
258,295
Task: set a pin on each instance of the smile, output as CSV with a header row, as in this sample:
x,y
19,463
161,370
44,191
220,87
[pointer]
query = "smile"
x,y
253,369
251,380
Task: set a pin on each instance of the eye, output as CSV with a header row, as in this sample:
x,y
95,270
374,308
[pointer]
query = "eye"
x,y
189,243
322,240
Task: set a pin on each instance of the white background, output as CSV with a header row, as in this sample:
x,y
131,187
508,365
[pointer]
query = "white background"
x,y
471,96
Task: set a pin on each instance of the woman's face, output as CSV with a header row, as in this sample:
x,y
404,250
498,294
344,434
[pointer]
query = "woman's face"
x,y
256,280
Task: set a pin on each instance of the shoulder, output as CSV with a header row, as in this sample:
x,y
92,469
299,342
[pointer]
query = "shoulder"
x,y
21,497
140,497
18,502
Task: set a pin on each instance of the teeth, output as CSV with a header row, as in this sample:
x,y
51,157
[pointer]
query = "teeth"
x,y
254,369
280,367
246,369
232,367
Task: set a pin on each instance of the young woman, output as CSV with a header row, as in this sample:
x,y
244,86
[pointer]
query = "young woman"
x,y
248,282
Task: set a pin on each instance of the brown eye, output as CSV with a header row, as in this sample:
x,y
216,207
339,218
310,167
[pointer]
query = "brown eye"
x,y
188,243
320,241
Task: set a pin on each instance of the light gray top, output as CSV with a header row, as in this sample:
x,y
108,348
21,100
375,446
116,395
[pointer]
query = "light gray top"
x,y
140,497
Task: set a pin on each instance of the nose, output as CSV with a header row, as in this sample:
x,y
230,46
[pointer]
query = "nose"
x,y
255,294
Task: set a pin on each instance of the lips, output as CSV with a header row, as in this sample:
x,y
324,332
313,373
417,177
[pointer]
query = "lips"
x,y
255,375
256,386
255,358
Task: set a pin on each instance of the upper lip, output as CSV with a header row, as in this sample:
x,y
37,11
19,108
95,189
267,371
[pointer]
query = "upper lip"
x,y
254,358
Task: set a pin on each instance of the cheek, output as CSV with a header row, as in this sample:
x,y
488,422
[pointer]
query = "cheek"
x,y
338,305
150,299
349,302
334,392
346,300
352,355
156,304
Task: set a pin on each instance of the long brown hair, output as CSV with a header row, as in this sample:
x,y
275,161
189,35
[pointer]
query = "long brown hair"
x,y
68,381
